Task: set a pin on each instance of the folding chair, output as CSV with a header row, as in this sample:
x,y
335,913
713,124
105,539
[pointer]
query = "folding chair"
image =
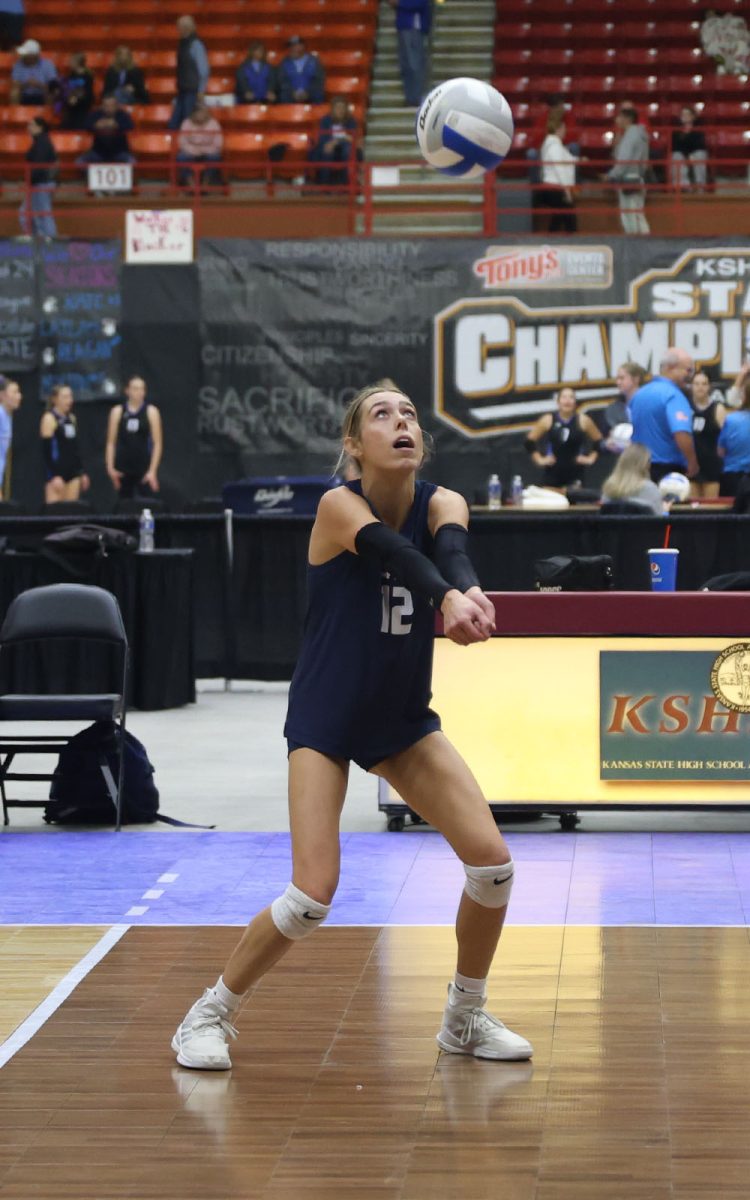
x,y
40,615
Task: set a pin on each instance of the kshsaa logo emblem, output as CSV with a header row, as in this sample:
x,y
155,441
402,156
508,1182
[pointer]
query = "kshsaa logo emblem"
x,y
730,677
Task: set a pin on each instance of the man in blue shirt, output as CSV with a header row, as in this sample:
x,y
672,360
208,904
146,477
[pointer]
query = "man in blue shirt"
x,y
33,79
413,21
662,417
10,398
301,75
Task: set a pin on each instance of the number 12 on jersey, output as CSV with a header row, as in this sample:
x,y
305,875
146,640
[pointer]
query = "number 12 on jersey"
x,y
398,609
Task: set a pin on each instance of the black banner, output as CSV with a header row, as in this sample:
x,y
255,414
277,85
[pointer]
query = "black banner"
x,y
79,324
18,308
481,337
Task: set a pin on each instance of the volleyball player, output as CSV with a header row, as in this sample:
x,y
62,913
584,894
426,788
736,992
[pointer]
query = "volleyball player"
x,y
66,478
386,550
134,443
564,442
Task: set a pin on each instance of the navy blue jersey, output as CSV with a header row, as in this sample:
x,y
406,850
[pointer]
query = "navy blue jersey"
x,y
362,685
64,453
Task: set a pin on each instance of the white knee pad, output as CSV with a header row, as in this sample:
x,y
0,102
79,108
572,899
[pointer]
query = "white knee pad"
x,y
295,915
489,886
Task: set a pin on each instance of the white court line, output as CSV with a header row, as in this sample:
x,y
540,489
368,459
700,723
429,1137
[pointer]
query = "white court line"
x,y
60,993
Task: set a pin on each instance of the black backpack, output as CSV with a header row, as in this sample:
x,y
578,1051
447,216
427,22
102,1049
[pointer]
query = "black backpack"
x,y
574,573
78,793
76,548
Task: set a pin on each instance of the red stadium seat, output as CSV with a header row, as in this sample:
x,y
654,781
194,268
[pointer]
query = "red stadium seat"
x,y
151,147
158,60
601,61
20,114
596,114
13,147
219,85
70,145
162,87
153,116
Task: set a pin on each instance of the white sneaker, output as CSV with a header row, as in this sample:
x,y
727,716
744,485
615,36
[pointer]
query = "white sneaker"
x,y
468,1029
201,1041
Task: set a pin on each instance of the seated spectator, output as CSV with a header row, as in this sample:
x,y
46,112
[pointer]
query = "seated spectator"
x,y
631,483
200,141
688,151
33,79
558,177
124,80
35,215
76,95
337,134
12,19
255,81
301,76
110,126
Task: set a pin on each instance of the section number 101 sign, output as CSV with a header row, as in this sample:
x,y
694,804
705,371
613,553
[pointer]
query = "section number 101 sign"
x,y
110,177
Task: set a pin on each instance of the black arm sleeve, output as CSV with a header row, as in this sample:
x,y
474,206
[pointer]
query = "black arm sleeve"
x,y
452,557
530,445
377,543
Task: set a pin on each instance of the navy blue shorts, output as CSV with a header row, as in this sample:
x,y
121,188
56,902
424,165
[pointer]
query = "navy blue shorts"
x,y
368,759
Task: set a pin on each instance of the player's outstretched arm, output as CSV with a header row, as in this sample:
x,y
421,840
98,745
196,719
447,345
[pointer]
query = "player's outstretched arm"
x,y
345,522
449,520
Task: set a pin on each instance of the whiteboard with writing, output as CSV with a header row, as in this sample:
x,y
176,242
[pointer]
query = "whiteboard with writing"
x,y
159,235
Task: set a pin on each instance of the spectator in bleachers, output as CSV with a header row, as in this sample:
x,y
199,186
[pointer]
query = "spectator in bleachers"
x,y
200,141
124,80
33,79
558,177
193,72
255,81
725,38
689,151
75,98
12,17
631,154
35,214
110,126
301,76
413,22
337,135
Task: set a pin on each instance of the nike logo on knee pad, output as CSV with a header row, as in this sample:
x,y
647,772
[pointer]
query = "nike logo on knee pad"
x,y
498,881
311,917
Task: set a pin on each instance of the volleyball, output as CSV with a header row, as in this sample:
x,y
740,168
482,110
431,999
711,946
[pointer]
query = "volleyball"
x,y
675,487
464,128
620,437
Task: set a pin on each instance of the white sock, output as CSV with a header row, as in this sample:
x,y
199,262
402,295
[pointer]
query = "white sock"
x,y
472,987
222,993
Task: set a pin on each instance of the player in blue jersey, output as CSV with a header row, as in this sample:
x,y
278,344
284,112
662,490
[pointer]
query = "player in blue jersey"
x,y
386,550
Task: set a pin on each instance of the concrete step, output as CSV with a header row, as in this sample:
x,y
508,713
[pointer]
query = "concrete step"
x,y
417,223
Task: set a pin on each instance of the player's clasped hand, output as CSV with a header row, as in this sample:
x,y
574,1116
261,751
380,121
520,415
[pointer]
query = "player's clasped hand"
x,y
465,619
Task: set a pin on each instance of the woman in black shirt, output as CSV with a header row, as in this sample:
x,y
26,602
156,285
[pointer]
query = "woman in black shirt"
x,y
134,443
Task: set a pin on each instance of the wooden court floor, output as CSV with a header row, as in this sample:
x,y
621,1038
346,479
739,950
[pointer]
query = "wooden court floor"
x,y
639,1088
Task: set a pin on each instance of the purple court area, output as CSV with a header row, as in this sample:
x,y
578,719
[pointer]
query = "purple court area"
x,y
411,878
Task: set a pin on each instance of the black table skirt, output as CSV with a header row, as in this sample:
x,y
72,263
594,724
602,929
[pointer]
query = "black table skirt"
x,y
248,618
155,594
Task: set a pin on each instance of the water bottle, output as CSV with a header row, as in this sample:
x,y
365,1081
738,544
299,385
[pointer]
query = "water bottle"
x,y
516,491
146,531
494,493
